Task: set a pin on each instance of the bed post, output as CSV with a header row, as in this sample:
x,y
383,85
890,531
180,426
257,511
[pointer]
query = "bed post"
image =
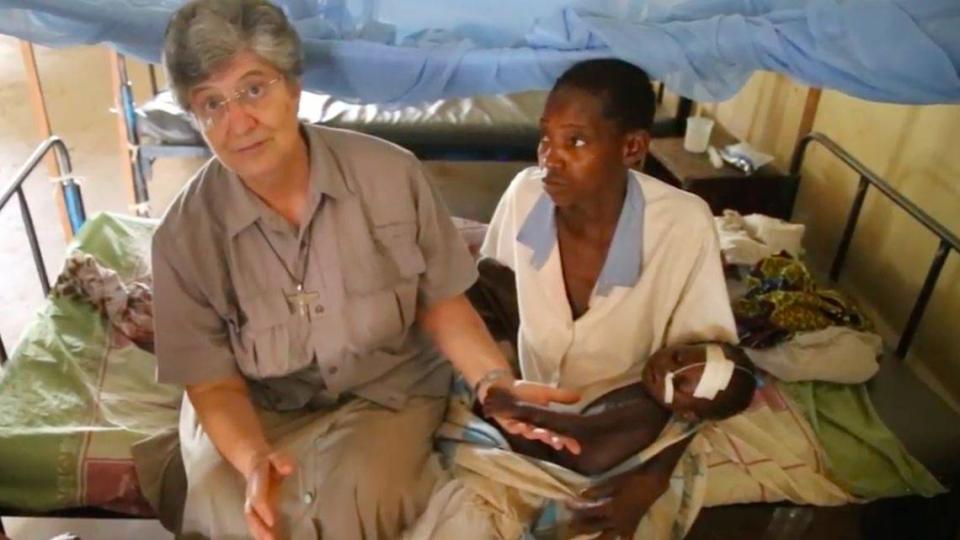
x,y
35,89
127,133
807,119
809,113
154,89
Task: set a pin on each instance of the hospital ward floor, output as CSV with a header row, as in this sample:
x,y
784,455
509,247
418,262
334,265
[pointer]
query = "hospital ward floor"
x,y
77,86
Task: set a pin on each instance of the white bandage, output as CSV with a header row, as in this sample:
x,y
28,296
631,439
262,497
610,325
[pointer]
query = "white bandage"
x,y
717,372
668,388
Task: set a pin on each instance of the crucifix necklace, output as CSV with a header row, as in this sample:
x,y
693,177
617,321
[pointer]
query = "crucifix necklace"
x,y
299,301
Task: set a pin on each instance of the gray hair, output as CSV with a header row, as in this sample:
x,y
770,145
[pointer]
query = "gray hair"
x,y
204,35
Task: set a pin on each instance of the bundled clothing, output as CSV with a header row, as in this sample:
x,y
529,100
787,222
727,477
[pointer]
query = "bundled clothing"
x,y
127,306
783,299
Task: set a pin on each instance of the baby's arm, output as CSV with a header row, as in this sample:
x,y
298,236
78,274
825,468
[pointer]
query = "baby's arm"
x,y
611,429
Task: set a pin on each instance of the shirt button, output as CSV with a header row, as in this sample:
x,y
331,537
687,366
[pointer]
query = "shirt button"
x,y
333,370
307,498
318,310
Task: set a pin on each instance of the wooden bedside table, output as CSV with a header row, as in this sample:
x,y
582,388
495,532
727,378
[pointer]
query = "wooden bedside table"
x,y
767,191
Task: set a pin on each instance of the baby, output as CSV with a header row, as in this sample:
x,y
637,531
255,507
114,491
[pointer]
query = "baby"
x,y
693,382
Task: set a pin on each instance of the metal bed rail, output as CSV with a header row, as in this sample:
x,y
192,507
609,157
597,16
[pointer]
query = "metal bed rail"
x,y
948,240
72,200
128,110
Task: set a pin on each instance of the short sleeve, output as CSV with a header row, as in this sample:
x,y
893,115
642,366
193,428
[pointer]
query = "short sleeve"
x,y
450,268
191,340
703,312
501,234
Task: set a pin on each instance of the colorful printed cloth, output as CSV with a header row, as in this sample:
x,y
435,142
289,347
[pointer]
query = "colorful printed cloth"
x,y
782,299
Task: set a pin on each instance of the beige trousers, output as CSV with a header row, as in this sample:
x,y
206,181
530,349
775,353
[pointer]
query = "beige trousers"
x,y
364,472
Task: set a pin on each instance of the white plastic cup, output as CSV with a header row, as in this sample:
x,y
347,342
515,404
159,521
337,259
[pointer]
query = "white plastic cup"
x,y
697,137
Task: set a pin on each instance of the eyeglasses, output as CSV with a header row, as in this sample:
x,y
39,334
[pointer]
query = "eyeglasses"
x,y
213,110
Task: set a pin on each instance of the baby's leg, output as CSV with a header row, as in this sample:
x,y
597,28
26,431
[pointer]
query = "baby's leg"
x,y
521,444
610,430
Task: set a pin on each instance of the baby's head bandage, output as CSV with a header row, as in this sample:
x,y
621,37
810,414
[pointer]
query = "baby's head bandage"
x,y
717,372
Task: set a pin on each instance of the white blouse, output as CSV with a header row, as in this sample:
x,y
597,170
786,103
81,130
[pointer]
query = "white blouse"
x,y
661,284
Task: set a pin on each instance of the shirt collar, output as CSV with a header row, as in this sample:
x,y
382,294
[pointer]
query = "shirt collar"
x,y
539,231
624,262
326,178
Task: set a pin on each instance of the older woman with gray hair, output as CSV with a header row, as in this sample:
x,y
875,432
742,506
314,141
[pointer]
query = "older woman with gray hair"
x,y
308,291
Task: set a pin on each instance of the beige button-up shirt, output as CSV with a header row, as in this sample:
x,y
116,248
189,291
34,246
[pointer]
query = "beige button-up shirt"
x,y
379,246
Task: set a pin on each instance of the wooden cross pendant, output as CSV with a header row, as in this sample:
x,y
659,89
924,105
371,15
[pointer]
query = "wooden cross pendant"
x,y
300,301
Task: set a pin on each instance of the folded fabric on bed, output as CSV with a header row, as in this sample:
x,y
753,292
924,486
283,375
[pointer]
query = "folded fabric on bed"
x,y
834,354
746,240
862,454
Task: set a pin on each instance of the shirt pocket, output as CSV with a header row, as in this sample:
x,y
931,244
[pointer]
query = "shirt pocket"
x,y
261,341
399,242
383,301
